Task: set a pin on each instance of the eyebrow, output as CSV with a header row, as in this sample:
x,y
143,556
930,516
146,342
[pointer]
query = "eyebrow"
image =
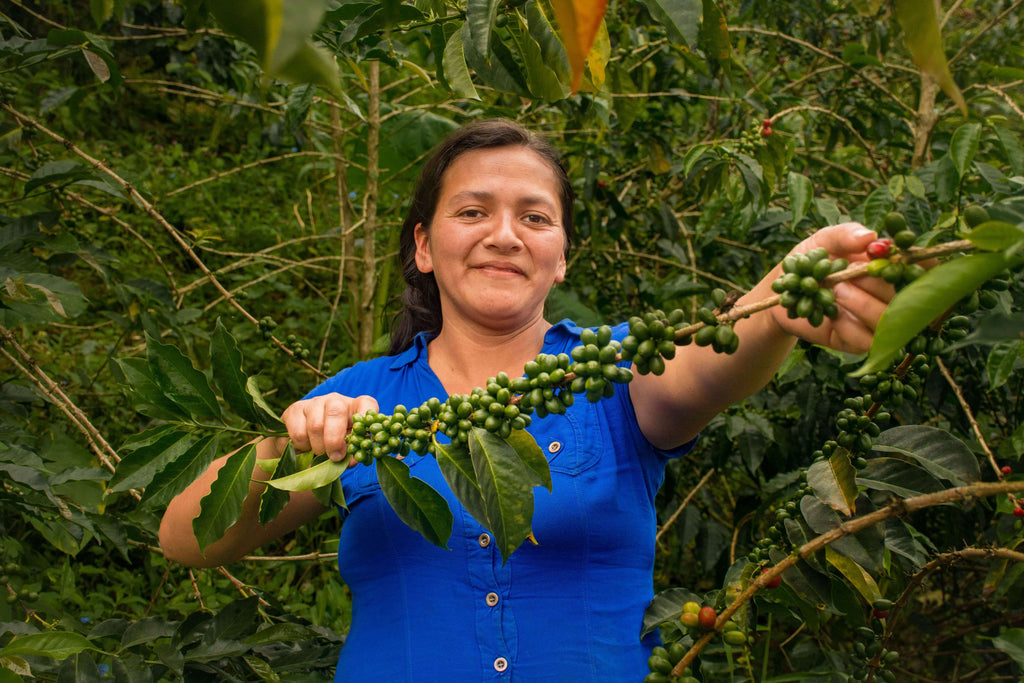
x,y
484,195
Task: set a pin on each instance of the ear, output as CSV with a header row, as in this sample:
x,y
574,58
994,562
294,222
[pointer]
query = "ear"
x,y
560,269
424,262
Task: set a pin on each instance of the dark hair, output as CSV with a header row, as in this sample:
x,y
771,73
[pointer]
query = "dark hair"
x,y
421,300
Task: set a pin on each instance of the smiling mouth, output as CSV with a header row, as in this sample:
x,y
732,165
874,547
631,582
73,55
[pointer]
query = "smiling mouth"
x,y
491,268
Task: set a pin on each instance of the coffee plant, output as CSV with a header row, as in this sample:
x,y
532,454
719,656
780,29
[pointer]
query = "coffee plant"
x,y
860,518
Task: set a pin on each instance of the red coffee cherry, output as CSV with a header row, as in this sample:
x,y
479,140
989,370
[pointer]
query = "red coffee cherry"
x,y
1019,512
706,618
1006,469
880,248
774,582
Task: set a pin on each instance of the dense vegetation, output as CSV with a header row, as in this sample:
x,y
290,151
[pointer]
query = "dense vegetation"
x,y
160,173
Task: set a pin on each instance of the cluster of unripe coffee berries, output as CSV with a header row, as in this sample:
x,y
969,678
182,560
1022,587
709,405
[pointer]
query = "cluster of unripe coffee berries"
x,y
292,343
799,287
651,340
775,535
869,648
663,660
548,386
595,364
720,336
266,325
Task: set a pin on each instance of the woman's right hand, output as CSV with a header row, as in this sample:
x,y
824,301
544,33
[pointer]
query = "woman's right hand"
x,y
320,424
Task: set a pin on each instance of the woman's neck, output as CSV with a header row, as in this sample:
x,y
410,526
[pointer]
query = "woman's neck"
x,y
463,357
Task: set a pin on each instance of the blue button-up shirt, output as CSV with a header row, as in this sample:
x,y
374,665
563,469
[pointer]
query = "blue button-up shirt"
x,y
569,609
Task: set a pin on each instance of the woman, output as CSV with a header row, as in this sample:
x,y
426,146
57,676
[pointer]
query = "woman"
x,y
484,243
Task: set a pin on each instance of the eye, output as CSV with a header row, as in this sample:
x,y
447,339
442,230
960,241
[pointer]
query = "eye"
x,y
537,219
471,213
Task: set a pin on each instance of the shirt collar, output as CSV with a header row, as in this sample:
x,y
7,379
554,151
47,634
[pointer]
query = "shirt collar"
x,y
418,349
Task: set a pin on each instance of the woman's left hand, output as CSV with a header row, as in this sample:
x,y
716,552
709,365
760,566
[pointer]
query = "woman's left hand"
x,y
861,301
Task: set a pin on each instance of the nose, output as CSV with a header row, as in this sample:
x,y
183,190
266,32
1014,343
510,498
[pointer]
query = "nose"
x,y
504,233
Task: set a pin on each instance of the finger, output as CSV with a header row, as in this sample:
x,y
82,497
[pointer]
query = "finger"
x,y
876,287
850,334
363,404
315,418
860,303
846,240
294,418
337,423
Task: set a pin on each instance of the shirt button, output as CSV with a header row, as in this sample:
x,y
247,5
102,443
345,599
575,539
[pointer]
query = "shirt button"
x,y
492,599
554,447
500,664
484,540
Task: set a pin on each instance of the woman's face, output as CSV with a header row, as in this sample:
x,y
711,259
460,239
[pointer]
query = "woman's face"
x,y
496,243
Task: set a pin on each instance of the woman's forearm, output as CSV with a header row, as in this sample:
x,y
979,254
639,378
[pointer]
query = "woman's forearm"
x,y
178,540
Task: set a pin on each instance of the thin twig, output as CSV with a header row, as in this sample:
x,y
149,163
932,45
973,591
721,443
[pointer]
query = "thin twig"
x,y
970,43
100,447
970,416
896,508
158,217
686,501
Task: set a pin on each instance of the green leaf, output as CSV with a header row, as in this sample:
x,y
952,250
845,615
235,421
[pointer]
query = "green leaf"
x,y
312,64
137,469
864,547
273,499
551,47
457,469
681,18
101,10
532,456
312,477
53,644
996,236
915,187
40,297
280,32
876,206
498,69
936,450
899,477
221,507
895,184
926,298
964,146
900,540
666,607
996,327
57,171
833,481
542,80
149,398
146,631
801,192
855,574
480,16
923,37
267,417
228,375
714,34
179,380
1011,149
285,632
1001,360
414,501
507,493
1010,641
185,469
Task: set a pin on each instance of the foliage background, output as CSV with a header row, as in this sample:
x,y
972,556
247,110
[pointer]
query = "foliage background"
x,y
286,200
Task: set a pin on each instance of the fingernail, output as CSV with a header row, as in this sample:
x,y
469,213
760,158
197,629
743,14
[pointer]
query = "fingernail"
x,y
862,231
